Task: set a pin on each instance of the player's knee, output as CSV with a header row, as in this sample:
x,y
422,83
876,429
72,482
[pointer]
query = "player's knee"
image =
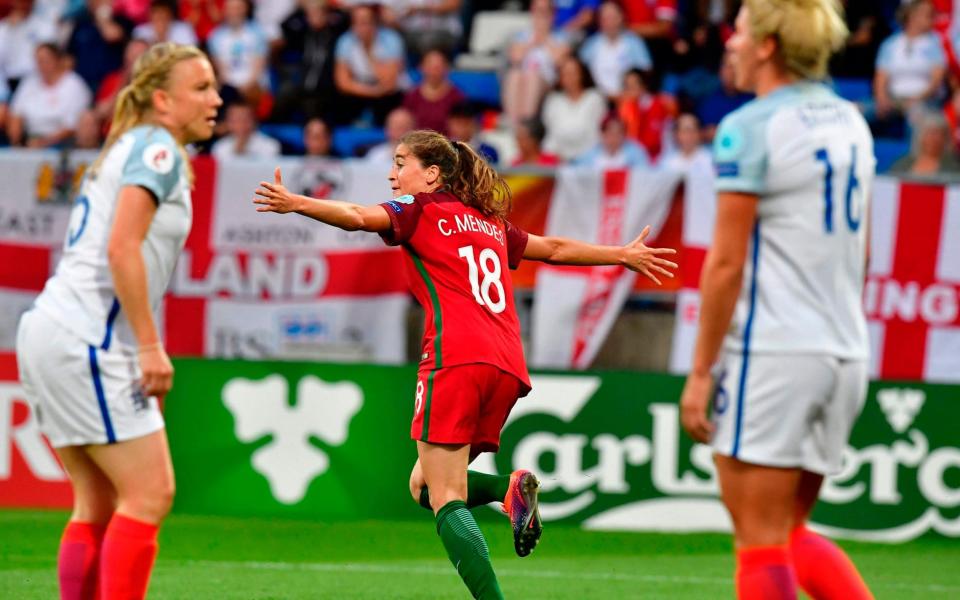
x,y
151,503
416,489
93,506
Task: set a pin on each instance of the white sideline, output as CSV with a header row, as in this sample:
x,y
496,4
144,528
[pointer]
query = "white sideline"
x,y
537,574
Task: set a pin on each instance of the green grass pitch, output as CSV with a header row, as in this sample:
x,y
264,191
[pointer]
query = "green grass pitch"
x,y
229,558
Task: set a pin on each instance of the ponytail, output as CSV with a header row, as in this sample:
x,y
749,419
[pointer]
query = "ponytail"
x,y
474,179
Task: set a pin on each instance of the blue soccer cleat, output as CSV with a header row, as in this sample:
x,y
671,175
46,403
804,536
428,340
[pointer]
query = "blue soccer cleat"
x,y
523,507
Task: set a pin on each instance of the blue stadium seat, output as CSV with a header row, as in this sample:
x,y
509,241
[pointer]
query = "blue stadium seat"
x,y
854,90
348,140
479,86
290,135
888,151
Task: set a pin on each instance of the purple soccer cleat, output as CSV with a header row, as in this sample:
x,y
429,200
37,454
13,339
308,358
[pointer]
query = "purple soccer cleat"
x,y
523,507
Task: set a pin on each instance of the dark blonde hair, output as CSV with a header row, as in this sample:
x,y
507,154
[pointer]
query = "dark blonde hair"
x,y
463,172
151,72
807,32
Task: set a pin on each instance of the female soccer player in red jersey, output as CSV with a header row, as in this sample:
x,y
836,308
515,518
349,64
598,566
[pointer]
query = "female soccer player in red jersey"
x,y
449,213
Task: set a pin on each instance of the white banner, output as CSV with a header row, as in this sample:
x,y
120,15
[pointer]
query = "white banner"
x,y
249,284
574,308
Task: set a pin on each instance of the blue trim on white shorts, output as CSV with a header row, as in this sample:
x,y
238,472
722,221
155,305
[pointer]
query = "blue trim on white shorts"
x,y
114,311
745,362
101,397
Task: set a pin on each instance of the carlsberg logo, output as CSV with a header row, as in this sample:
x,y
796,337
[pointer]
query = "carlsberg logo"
x,y
289,461
612,459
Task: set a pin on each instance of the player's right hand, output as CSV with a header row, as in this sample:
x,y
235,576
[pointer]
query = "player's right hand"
x,y
157,371
275,197
694,402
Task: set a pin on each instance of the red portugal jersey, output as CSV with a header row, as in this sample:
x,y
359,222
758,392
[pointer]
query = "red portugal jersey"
x,y
457,263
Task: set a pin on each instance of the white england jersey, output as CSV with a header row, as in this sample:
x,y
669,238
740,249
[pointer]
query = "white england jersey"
x,y
80,295
808,155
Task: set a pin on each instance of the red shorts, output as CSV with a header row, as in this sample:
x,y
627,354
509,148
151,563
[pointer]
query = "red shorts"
x,y
464,404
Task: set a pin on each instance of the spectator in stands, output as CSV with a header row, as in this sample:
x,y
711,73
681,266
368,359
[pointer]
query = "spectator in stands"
x,y
163,25
137,11
615,150
575,17
654,21
370,67
269,14
21,33
47,104
202,15
243,139
97,39
930,151
318,139
910,69
529,135
702,29
321,174
89,133
52,11
426,24
106,97
572,114
399,122
240,52
613,50
868,29
646,113
532,58
725,99
689,155
307,59
462,126
431,101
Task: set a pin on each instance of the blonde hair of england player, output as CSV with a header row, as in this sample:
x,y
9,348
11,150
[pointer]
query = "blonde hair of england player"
x,y
99,399
780,228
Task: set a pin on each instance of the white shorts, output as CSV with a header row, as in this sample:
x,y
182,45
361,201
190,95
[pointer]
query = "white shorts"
x,y
81,394
791,410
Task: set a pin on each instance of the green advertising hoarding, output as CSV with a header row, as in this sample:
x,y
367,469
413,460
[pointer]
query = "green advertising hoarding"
x,y
332,442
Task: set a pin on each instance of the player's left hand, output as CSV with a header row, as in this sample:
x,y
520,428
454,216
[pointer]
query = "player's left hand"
x,y
274,197
693,407
643,259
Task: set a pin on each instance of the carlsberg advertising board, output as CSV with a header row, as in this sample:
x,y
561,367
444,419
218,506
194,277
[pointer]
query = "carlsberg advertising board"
x,y
332,441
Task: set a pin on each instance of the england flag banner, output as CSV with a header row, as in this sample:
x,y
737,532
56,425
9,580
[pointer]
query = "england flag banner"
x,y
912,292
574,307
248,285
255,285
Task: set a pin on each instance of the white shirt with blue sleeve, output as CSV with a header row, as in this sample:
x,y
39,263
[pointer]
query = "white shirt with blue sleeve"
x,y
808,156
81,295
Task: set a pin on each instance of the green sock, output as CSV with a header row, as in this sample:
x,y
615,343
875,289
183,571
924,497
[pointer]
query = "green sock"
x,y
481,489
467,550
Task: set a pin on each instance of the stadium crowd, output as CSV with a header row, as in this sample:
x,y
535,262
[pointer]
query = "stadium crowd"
x,y
603,83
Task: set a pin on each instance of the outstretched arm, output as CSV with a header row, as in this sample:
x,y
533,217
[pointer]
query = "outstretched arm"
x,y
274,197
635,256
